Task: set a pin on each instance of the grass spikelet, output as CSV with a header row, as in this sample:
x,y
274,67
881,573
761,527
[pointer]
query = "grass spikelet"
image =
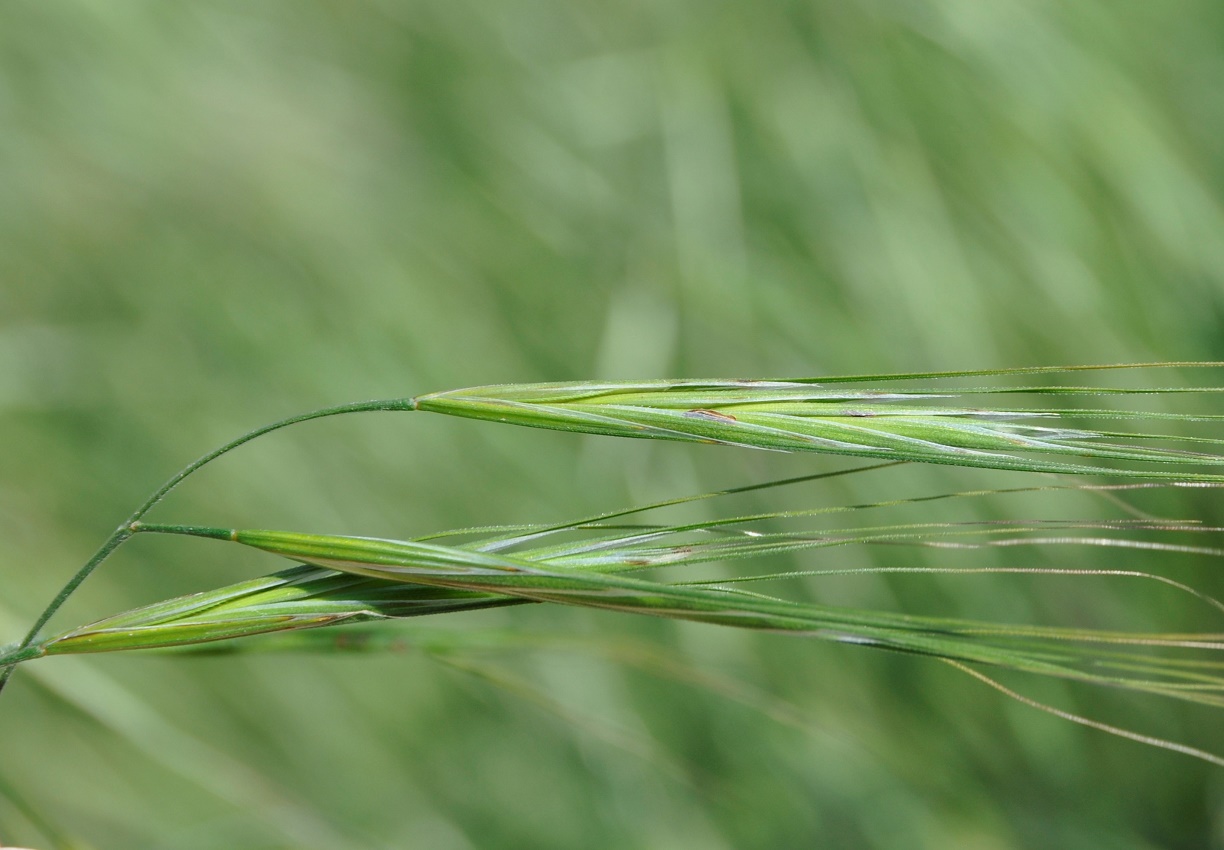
x,y
1186,666
933,424
301,597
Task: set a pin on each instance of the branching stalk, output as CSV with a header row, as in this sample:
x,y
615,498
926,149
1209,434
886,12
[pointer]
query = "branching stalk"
x,y
129,526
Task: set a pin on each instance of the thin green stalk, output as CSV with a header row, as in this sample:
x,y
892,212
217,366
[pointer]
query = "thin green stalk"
x,y
129,526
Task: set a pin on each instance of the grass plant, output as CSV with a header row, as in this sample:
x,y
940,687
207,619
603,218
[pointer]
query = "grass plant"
x,y
588,562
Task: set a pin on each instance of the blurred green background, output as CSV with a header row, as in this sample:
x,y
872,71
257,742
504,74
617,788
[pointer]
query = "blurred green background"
x,y
215,214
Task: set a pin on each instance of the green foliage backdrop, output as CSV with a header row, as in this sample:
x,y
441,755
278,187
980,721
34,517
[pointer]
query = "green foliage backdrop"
x,y
216,214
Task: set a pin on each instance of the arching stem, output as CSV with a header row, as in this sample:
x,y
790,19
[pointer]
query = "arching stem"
x,y
131,524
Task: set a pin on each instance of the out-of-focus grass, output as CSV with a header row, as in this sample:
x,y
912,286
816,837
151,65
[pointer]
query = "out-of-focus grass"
x,y
215,214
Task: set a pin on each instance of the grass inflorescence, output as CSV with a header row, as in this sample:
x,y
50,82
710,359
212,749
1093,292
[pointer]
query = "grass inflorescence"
x,y
596,562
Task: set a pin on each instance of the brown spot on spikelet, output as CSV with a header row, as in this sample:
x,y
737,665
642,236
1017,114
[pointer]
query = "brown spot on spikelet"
x,y
706,413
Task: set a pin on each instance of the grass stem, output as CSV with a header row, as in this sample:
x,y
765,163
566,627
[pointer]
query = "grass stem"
x,y
132,524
